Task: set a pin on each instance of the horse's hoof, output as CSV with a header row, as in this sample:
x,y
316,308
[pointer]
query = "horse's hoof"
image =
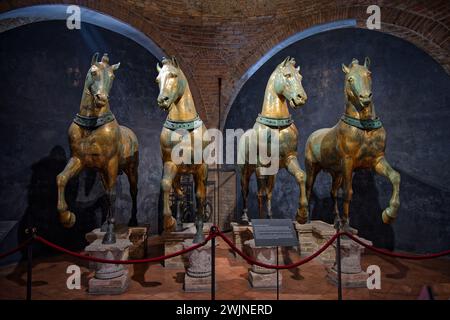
x,y
387,218
169,223
67,219
302,216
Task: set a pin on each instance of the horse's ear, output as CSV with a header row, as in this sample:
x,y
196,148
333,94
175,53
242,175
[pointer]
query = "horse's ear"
x,y
158,67
283,64
175,62
367,62
116,66
345,69
298,69
94,58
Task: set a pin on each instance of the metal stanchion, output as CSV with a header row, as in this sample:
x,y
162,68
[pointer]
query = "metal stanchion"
x,y
31,232
338,261
213,265
278,278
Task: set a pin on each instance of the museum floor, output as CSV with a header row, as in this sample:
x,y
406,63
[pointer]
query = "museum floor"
x,y
400,279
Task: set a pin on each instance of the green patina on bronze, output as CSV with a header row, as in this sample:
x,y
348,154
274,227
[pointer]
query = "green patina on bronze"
x,y
365,124
187,125
274,122
93,122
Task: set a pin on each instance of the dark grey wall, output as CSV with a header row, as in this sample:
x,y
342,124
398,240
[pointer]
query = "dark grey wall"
x,y
412,97
39,97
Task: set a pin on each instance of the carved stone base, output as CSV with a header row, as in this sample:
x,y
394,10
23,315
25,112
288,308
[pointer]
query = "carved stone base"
x,y
173,242
264,280
138,237
109,278
241,233
193,284
352,275
109,286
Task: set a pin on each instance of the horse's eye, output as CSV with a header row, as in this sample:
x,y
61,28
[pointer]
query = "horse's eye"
x,y
172,75
288,75
350,79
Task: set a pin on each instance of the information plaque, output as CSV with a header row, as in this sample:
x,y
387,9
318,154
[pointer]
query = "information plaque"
x,y
274,233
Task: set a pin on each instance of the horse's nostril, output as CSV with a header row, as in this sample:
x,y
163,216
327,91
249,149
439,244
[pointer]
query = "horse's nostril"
x,y
370,95
166,98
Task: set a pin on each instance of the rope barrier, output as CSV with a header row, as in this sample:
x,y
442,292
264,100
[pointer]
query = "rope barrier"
x,y
217,232
18,248
397,255
94,259
270,266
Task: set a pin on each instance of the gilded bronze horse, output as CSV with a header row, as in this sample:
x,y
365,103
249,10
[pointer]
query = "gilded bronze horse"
x,y
283,87
357,141
97,141
182,123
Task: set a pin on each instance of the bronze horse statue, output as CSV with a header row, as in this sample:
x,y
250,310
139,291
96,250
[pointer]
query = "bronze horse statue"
x,y
284,88
182,124
97,141
357,141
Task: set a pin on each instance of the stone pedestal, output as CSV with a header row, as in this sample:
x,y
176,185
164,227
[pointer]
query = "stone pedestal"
x,y
260,277
121,231
173,242
109,278
241,233
352,275
138,237
312,236
198,269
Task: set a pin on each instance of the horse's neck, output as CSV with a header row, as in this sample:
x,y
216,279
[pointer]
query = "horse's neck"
x,y
88,108
184,108
274,106
364,114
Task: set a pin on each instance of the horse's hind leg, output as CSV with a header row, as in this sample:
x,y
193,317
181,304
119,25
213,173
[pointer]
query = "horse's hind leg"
x,y
73,167
337,181
294,169
132,173
201,177
270,185
383,168
109,178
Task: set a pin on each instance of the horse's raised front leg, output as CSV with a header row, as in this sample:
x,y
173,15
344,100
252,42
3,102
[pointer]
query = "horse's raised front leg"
x,y
261,182
169,172
201,177
347,170
245,179
383,168
109,179
73,167
294,169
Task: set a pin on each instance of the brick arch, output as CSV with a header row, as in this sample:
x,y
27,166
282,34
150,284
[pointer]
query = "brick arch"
x,y
234,35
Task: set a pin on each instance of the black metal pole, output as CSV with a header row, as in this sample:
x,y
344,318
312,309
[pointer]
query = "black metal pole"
x,y
213,266
338,261
29,268
278,278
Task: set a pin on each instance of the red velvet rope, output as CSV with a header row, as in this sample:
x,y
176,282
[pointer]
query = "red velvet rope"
x,y
397,255
20,247
270,266
155,259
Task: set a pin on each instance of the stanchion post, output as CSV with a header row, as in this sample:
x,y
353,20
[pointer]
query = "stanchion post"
x,y
278,278
213,263
31,232
338,262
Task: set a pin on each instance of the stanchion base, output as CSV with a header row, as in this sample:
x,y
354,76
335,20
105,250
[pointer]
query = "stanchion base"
x,y
109,286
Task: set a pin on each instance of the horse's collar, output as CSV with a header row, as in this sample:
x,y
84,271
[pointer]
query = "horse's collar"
x,y
274,122
93,122
364,124
187,125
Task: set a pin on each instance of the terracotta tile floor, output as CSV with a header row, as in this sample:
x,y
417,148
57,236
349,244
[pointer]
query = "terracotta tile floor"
x,y
401,279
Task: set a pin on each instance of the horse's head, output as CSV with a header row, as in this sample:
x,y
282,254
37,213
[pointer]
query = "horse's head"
x,y
288,83
171,82
358,83
99,79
